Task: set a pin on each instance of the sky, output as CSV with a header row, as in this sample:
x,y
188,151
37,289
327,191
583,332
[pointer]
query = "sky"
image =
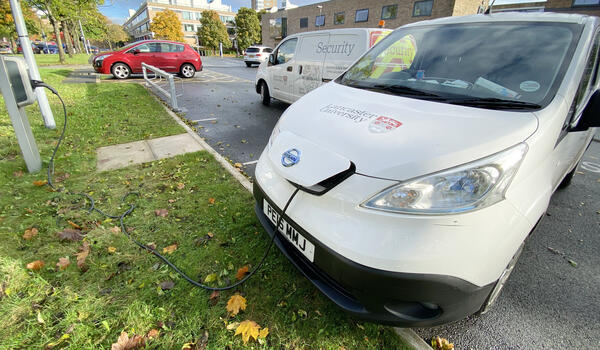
x,y
117,10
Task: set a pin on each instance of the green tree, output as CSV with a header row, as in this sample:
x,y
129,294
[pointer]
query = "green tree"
x,y
213,31
248,28
116,35
7,23
166,25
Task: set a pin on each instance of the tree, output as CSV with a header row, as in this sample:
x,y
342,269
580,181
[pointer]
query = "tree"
x,y
166,25
116,35
7,23
248,28
213,31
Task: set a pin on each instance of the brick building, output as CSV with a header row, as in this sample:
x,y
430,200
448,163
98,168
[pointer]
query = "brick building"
x,y
335,14
586,7
188,11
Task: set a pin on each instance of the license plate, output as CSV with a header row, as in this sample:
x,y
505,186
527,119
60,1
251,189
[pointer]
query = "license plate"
x,y
294,237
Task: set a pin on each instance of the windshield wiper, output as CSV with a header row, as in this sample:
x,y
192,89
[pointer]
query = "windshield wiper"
x,y
494,103
405,90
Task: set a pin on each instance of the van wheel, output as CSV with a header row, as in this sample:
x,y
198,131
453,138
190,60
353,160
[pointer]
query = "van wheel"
x,y
121,71
567,180
491,300
248,64
264,94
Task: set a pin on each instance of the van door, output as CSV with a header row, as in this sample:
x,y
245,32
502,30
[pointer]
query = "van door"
x,y
310,57
282,71
572,144
342,51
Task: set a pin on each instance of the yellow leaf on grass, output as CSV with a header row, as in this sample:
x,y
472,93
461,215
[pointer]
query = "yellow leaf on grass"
x,y
211,278
111,249
180,186
63,263
211,201
248,329
235,304
74,225
126,343
263,333
241,272
170,249
40,183
38,264
30,233
84,251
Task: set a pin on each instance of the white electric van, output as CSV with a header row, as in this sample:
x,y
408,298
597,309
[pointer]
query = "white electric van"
x,y
303,62
413,179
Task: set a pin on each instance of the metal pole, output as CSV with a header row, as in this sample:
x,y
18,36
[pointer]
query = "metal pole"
x,y
20,123
173,93
33,69
83,38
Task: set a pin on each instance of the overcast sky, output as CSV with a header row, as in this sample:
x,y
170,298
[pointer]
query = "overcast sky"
x,y
117,10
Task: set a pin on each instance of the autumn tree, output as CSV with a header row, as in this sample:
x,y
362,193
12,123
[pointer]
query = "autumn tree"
x,y
166,25
7,23
248,28
116,35
213,31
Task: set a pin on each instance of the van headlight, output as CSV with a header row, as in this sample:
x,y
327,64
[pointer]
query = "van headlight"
x,y
460,189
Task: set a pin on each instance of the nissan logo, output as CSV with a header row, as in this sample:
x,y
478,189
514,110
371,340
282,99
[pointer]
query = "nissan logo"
x,y
290,157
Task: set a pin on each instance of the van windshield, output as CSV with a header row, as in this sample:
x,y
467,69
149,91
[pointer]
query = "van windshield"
x,y
501,65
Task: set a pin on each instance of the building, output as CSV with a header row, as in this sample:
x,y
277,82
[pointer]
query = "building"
x,y
335,14
188,11
586,7
258,5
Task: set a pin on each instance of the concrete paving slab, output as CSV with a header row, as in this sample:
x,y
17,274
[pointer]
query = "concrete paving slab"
x,y
120,156
170,146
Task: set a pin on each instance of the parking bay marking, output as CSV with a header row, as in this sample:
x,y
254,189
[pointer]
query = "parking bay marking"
x,y
205,120
589,166
250,163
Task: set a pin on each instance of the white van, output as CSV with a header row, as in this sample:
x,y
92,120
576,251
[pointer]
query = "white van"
x,y
303,62
408,185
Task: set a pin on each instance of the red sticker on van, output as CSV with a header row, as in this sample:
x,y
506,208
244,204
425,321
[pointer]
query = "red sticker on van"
x,y
383,124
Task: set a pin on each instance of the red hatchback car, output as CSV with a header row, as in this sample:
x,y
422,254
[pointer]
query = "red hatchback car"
x,y
169,56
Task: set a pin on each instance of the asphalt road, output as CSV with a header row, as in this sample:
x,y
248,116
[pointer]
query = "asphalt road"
x,y
548,303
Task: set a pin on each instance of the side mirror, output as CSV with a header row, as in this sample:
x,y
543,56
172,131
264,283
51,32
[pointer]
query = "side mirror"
x,y
135,51
590,117
272,59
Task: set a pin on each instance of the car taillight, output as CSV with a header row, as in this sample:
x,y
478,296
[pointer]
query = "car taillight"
x,y
257,55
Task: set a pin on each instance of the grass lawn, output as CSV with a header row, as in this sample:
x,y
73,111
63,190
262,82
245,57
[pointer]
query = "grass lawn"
x,y
120,288
52,59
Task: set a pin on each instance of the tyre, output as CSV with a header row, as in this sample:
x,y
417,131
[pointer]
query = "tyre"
x,y
248,64
491,299
121,71
187,71
567,180
264,94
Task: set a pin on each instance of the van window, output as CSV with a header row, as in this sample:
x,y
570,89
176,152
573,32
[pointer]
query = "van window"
x,y
587,85
285,52
492,65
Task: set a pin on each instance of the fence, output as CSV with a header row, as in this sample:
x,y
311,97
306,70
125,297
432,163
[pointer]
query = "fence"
x,y
171,94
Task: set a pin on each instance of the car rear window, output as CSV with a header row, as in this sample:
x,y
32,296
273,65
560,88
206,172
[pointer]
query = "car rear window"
x,y
253,49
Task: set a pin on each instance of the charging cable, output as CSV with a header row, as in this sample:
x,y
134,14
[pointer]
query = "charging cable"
x,y
92,208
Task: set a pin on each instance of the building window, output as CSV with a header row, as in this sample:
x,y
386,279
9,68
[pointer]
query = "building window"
x,y
304,22
422,8
198,16
187,15
585,2
389,12
361,15
339,18
188,27
283,27
320,21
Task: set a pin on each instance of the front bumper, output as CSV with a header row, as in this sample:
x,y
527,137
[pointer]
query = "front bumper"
x,y
395,298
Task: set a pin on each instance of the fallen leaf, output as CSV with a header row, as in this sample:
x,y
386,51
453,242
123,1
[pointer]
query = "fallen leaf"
x,y
151,245
211,278
238,165
74,225
214,297
84,251
572,262
441,344
170,249
70,234
39,318
40,183
167,285
126,343
232,326
180,186
153,333
30,233
171,200
263,333
211,201
62,177
199,344
248,329
161,212
63,263
18,173
35,265
111,249
241,272
52,345
115,229
210,234
235,304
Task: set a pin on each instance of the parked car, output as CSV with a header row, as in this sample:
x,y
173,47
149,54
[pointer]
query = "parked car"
x,y
94,50
169,56
34,48
256,55
5,48
303,62
47,48
422,169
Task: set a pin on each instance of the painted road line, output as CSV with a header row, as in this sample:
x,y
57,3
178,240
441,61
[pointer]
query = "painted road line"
x,y
205,120
250,163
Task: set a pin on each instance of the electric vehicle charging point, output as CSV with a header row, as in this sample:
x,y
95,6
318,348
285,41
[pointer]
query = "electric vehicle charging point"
x,y
17,92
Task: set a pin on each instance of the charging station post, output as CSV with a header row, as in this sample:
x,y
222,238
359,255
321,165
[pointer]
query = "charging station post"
x,y
33,70
16,89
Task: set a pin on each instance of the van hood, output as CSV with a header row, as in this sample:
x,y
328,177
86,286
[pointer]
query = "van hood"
x,y
336,127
